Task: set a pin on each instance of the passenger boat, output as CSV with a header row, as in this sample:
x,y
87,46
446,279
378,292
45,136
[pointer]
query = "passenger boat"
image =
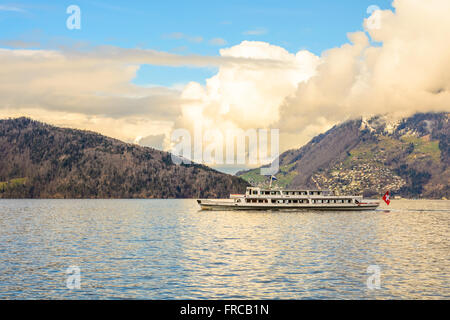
x,y
269,199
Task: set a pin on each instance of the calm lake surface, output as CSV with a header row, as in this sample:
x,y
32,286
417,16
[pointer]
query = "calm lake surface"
x,y
168,249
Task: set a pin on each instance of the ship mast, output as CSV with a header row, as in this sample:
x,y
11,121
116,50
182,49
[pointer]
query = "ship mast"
x,y
272,177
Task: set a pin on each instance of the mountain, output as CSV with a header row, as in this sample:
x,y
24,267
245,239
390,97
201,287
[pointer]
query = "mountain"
x,y
38,160
410,157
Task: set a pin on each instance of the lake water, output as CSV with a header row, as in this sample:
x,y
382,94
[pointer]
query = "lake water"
x,y
168,249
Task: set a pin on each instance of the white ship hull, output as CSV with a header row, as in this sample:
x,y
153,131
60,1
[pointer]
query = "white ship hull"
x,y
207,204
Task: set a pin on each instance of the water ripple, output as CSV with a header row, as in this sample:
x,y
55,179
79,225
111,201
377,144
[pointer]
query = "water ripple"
x,y
168,249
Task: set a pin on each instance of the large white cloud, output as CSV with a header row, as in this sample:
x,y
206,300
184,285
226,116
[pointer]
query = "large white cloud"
x,y
409,72
242,96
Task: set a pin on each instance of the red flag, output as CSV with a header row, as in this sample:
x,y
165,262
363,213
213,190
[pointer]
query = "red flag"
x,y
386,198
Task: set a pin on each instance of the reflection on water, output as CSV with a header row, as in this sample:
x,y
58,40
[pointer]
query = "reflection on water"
x,y
168,249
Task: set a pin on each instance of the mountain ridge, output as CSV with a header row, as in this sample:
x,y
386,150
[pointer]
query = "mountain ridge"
x,y
38,160
410,157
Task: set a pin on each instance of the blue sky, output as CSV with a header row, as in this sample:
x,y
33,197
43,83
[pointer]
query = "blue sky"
x,y
185,27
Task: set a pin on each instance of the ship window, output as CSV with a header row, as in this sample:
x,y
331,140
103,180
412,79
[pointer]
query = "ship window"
x,y
295,201
274,201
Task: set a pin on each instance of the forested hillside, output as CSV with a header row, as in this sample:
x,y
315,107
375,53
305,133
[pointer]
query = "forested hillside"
x,y
42,161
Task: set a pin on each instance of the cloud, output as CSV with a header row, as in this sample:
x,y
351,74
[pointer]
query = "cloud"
x,y
242,96
11,8
153,57
154,141
255,32
196,39
174,35
217,42
182,36
20,44
79,91
408,73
